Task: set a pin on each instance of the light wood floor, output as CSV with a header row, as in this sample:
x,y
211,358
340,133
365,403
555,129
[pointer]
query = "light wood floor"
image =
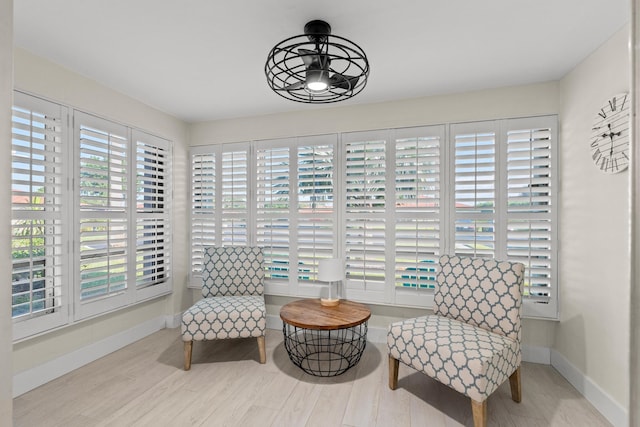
x,y
144,385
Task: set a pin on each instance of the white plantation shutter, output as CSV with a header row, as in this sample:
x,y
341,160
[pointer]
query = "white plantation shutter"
x,y
153,210
273,208
365,189
389,203
38,225
104,187
316,210
220,202
204,200
418,211
531,216
235,195
83,198
474,184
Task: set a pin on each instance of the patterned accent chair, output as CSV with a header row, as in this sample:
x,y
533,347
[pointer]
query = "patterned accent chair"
x,y
472,341
233,304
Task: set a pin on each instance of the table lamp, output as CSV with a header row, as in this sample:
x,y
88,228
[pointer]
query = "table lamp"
x,y
331,270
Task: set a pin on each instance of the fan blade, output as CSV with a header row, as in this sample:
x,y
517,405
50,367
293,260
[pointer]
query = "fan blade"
x,y
315,60
343,82
309,57
294,86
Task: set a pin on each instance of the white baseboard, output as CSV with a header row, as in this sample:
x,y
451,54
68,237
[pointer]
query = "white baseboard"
x,y
535,354
174,321
601,400
42,374
274,322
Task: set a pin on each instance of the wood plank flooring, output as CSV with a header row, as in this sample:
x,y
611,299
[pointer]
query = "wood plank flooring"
x,y
144,385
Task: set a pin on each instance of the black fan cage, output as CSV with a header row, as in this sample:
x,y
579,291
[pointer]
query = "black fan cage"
x,y
285,68
325,353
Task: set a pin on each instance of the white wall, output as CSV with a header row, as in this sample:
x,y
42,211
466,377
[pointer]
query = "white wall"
x,y
634,324
593,334
6,84
482,105
40,77
507,102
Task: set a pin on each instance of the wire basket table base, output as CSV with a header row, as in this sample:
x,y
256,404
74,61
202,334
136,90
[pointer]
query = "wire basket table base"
x,y
325,353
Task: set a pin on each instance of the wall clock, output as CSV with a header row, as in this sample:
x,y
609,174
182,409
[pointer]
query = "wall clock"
x,y
610,135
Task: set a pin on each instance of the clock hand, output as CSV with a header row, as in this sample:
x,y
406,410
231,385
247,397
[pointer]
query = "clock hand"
x,y
611,151
611,136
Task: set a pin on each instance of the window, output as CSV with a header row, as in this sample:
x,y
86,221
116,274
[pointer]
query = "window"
x,y
292,212
419,214
505,185
103,202
38,193
273,210
390,203
316,215
531,170
393,215
153,213
91,216
474,187
124,249
203,206
295,214
365,187
219,200
235,196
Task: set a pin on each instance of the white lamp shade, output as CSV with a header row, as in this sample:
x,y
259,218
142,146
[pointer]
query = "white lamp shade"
x,y
330,270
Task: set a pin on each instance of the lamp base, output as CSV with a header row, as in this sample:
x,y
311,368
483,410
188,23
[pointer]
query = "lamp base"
x,y
329,302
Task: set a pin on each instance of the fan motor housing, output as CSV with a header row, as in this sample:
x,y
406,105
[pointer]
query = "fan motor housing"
x,y
317,30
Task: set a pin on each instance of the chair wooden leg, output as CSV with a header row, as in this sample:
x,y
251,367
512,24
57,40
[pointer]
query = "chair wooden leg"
x,y
262,350
516,386
479,410
188,347
393,372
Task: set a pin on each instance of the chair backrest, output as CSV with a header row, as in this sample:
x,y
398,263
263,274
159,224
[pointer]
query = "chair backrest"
x,y
482,292
232,270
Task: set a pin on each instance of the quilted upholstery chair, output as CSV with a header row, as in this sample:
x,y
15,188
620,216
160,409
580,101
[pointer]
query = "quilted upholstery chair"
x,y
472,341
233,304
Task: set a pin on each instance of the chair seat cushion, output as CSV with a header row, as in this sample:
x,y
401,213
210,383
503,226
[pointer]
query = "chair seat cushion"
x,y
225,317
471,360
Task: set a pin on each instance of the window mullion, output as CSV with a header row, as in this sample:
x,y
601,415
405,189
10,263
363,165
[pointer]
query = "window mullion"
x,y
131,213
501,190
390,217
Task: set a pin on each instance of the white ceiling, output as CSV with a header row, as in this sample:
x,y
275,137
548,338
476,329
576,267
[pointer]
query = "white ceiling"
x,y
204,59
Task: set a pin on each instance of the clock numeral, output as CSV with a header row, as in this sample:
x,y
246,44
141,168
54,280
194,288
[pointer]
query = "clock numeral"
x,y
614,164
597,155
623,102
602,113
612,104
626,156
604,164
594,143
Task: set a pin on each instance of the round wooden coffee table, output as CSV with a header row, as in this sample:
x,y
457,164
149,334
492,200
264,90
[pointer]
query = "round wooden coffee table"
x,y
324,341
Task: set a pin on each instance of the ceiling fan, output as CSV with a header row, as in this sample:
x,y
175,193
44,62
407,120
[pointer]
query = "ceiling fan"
x,y
317,67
